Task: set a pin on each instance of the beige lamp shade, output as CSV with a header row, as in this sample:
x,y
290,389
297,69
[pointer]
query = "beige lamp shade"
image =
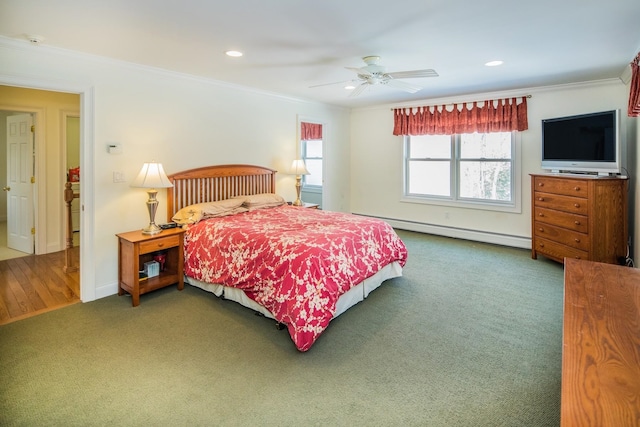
x,y
298,168
152,176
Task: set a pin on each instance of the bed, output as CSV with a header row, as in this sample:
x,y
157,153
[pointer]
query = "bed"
x,y
302,267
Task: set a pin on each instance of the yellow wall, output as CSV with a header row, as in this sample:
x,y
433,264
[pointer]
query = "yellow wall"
x,y
51,109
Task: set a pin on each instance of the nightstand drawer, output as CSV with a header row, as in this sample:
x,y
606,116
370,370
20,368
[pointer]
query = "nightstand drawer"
x,y
563,219
159,244
559,202
562,235
573,187
559,251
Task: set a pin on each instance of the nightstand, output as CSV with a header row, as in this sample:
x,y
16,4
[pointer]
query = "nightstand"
x,y
135,248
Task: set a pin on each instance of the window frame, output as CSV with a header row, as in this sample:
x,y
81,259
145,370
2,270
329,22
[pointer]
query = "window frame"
x,y
303,155
514,206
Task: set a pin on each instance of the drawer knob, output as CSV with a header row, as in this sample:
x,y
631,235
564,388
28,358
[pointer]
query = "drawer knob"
x,y
577,188
160,245
541,184
577,240
577,223
577,205
540,214
541,230
542,245
541,199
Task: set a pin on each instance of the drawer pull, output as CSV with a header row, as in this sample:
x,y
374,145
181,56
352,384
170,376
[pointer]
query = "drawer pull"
x,y
541,230
541,184
577,240
577,188
160,245
577,222
577,205
540,214
542,245
541,199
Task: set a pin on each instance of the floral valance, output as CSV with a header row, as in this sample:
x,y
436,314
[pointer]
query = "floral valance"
x,y
310,131
634,92
502,115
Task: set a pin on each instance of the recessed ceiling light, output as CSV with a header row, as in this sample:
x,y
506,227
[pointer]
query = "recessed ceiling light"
x,y
34,38
493,63
350,87
233,53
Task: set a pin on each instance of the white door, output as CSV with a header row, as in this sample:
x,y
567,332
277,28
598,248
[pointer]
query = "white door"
x,y
19,187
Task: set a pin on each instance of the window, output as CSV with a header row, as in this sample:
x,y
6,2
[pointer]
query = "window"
x,y
477,168
312,156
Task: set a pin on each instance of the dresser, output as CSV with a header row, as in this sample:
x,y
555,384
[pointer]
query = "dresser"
x,y
579,216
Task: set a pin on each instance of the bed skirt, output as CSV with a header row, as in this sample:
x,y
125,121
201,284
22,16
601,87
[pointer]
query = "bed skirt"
x,y
349,299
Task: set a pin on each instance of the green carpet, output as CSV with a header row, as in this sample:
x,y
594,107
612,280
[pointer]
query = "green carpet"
x,y
469,336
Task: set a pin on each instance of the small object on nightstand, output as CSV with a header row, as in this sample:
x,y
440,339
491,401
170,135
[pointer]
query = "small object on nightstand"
x,y
168,225
152,268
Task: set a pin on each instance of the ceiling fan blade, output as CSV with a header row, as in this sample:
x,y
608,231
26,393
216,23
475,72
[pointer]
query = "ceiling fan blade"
x,y
397,84
358,90
360,71
412,74
329,84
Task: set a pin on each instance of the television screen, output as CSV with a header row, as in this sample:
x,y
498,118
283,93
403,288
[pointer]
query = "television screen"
x,y
586,142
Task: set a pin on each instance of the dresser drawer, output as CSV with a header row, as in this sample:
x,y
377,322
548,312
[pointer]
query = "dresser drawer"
x,y
562,235
569,204
563,219
558,251
160,244
568,187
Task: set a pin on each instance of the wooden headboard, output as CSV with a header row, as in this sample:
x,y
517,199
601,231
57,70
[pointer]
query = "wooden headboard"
x,y
213,183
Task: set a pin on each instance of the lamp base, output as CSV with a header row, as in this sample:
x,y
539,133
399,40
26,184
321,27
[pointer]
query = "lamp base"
x,y
298,201
152,206
151,229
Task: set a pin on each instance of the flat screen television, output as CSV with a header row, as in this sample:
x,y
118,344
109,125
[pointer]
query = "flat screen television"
x,y
586,143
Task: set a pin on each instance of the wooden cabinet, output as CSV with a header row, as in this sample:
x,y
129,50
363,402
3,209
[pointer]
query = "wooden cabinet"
x,y
581,217
135,248
600,342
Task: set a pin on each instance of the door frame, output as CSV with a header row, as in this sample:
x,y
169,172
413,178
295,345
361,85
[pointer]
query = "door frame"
x,y
87,142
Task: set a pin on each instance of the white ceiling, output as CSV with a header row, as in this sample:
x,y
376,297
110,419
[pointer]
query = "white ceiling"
x,y
290,45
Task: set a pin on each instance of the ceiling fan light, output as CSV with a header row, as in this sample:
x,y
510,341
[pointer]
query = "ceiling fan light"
x,y
234,53
349,87
494,63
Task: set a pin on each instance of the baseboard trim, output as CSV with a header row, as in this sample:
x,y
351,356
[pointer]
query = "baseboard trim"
x,y
106,290
459,233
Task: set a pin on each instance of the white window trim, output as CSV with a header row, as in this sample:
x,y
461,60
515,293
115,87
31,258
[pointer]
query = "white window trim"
x,y
512,207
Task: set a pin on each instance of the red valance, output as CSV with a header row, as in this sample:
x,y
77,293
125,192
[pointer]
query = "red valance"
x,y
634,92
310,131
503,115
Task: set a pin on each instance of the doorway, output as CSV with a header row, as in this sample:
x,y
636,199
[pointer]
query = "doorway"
x,y
16,141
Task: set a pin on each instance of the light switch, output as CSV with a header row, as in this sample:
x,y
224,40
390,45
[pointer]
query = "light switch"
x,y
118,176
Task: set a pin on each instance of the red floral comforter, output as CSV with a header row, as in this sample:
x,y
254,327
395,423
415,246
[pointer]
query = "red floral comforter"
x,y
295,262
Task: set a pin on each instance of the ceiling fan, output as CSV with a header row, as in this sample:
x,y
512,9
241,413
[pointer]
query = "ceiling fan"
x,y
374,74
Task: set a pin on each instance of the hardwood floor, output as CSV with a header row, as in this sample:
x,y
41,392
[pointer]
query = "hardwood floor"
x,y
35,284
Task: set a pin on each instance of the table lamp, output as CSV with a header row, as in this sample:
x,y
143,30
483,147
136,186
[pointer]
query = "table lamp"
x,y
298,169
152,176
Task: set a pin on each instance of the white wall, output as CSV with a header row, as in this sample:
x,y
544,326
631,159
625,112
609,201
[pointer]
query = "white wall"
x,y
180,121
376,163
